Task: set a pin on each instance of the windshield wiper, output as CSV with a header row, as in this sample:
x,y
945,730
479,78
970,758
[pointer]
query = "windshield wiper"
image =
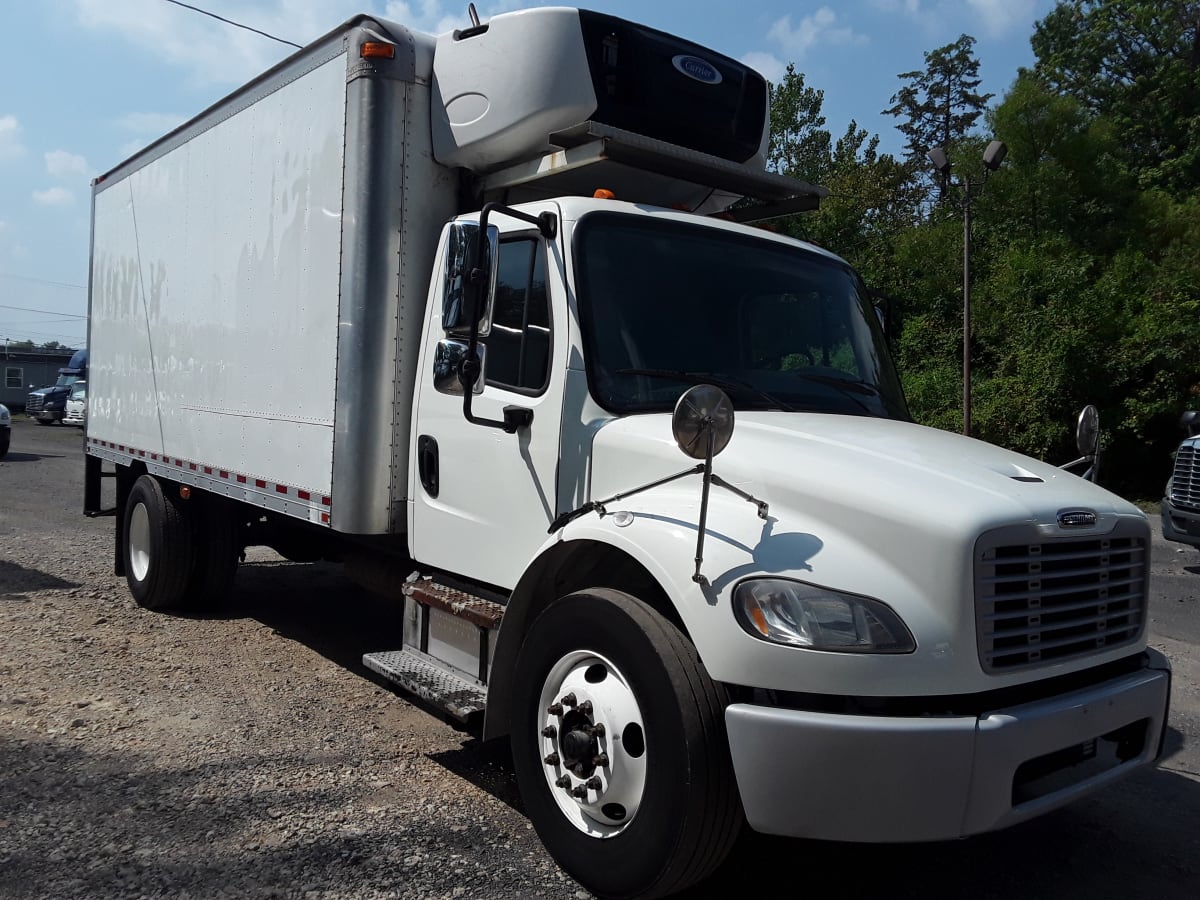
x,y
727,382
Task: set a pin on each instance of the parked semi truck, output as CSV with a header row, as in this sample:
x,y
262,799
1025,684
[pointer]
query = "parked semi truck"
x,y
47,405
640,477
1180,510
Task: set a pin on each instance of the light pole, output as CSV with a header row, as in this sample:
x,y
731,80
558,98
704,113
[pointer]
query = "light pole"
x,y
992,157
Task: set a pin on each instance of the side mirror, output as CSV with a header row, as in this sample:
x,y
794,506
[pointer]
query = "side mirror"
x,y
469,285
1087,431
1190,422
447,365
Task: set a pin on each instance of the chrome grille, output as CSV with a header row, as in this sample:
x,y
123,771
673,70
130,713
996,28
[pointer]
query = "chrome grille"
x,y
1185,480
34,403
1045,601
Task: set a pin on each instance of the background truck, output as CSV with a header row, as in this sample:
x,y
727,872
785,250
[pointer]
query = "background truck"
x,y
48,404
1181,500
490,256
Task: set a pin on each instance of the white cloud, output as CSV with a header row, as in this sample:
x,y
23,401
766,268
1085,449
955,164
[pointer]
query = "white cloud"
x,y
215,52
910,8
55,196
60,162
770,66
821,26
10,138
1001,16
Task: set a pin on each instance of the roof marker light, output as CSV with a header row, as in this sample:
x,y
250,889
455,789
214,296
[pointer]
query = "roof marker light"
x,y
604,194
377,50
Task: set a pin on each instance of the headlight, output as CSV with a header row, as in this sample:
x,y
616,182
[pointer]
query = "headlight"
x,y
807,615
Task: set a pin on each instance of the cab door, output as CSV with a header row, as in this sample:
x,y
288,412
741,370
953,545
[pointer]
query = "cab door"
x,y
483,499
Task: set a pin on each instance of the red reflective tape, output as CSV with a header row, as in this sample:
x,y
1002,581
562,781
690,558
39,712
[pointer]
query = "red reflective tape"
x,y
325,501
325,518
179,462
121,447
154,456
258,482
208,470
224,474
304,495
142,454
281,489
192,466
241,479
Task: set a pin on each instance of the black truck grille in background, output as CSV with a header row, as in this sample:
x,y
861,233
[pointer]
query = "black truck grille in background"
x,y
33,403
1185,480
1047,601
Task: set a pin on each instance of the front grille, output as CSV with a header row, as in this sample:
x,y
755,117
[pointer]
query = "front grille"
x,y
34,403
1046,601
1185,481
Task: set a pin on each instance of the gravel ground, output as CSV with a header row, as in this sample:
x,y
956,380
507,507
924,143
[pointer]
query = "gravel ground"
x,y
251,755
243,755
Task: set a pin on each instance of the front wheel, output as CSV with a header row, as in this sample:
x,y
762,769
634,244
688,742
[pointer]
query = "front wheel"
x,y
619,747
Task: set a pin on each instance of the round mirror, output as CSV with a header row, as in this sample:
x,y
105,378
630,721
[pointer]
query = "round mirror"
x,y
1087,432
702,410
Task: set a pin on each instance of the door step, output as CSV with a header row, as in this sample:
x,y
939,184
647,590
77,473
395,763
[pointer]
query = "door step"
x,y
430,681
449,637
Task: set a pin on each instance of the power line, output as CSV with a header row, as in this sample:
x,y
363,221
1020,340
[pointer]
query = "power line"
x,y
49,312
82,287
231,22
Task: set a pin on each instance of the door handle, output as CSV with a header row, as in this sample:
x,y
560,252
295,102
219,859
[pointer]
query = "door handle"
x,y
427,464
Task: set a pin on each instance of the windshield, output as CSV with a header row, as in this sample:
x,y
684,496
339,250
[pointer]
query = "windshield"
x,y
79,392
667,304
66,380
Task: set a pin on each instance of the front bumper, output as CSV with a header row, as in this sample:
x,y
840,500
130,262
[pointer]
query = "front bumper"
x,y
48,415
1179,525
895,779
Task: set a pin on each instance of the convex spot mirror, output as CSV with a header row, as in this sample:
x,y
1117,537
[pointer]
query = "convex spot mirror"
x,y
702,412
469,284
1190,422
1087,431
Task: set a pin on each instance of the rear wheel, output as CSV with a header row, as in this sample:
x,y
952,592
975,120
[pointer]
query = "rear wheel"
x,y
218,545
159,557
619,747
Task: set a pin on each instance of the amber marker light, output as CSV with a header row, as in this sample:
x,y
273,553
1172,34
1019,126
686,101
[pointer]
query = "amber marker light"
x,y
604,194
377,50
185,492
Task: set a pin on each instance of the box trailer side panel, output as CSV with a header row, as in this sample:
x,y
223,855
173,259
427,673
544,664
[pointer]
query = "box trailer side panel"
x,y
215,290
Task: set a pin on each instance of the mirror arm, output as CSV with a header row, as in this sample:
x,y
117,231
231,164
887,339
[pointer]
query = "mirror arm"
x,y
515,417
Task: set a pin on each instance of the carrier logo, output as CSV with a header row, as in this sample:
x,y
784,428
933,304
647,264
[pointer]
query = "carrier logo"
x,y
697,69
1076,518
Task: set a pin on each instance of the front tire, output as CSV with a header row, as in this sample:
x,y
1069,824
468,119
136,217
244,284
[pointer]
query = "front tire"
x,y
159,554
619,747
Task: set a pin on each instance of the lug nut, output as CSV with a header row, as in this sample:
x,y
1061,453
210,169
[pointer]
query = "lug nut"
x,y
596,731
586,707
581,792
552,759
600,760
549,731
563,781
595,783
568,700
554,709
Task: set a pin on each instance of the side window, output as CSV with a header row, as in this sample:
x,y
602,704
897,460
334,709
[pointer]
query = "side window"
x,y
518,348
14,377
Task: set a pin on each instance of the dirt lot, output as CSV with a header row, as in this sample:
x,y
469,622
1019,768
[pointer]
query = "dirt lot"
x,y
251,754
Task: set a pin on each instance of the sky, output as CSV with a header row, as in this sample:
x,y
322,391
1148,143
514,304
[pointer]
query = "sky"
x,y
86,83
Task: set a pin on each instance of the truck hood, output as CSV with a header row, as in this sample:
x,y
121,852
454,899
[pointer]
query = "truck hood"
x,y
865,467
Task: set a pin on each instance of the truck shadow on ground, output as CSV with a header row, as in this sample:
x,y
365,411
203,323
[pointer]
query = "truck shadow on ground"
x,y
12,456
17,580
1137,838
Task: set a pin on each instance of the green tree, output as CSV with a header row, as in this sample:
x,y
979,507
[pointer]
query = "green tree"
x,y
1137,63
940,104
800,145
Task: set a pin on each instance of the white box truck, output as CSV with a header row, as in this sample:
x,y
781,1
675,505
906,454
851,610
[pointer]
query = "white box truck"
x,y
447,309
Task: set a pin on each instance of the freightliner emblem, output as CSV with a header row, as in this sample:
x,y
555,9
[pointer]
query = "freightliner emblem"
x,y
697,69
1076,518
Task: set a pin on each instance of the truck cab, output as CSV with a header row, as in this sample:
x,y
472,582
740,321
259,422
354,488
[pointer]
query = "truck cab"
x,y
48,404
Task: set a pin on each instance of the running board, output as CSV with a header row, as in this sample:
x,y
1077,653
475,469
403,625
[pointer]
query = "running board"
x,y
449,638
430,681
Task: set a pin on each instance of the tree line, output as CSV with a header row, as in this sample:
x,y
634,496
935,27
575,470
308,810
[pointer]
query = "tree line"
x,y
1085,252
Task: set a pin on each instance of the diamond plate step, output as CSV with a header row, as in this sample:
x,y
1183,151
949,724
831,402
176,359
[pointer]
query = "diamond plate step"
x,y
429,681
